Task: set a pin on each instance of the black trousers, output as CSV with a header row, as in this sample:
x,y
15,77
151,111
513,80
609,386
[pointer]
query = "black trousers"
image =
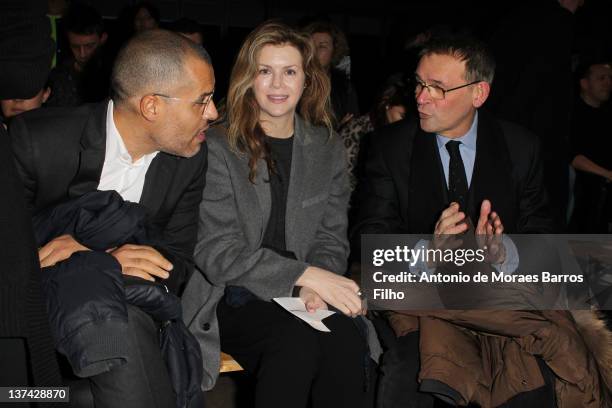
x,y
399,387
142,382
295,364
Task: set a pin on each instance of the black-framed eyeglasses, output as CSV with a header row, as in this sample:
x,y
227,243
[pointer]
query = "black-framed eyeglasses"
x,y
435,91
204,103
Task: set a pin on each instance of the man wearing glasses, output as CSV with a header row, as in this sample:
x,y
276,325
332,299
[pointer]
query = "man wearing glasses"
x,y
146,143
458,171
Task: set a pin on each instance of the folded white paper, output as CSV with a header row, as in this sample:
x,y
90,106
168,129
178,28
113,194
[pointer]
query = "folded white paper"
x,y
296,306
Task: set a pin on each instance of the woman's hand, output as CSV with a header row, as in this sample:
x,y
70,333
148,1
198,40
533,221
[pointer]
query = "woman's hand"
x,y
338,291
312,300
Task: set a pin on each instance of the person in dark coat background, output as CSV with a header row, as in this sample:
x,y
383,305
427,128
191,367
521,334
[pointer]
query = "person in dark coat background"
x,y
26,347
591,146
533,86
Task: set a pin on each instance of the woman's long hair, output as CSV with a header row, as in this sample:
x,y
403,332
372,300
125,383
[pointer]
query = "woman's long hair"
x,y
245,134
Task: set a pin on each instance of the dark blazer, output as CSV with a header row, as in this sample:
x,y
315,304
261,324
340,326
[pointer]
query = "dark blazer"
x,y
404,191
60,154
23,314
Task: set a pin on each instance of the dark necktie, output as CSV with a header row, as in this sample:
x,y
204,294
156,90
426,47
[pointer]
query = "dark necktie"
x,y
457,181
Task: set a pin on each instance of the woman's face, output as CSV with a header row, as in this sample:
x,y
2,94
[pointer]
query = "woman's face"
x,y
395,113
279,82
324,45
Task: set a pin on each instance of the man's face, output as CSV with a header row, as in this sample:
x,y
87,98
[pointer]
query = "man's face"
x,y
182,124
84,46
598,85
13,107
453,115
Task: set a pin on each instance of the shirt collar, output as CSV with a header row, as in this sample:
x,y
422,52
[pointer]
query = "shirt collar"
x,y
468,140
115,147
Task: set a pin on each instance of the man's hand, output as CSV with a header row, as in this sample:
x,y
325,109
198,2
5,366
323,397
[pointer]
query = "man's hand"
x,y
451,223
489,232
59,249
312,300
338,291
142,261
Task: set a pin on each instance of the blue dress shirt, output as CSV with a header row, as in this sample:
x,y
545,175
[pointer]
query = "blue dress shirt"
x,y
467,150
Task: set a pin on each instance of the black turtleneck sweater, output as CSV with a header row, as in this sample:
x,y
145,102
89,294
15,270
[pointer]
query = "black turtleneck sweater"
x,y
280,151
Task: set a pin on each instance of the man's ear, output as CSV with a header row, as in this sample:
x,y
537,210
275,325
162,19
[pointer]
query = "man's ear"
x,y
584,84
103,38
150,107
480,93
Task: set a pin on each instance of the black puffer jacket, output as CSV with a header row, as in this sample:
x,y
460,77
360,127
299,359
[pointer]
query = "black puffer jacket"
x,y
87,293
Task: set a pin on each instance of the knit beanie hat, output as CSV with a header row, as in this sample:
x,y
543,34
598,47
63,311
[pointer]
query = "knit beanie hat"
x,y
26,48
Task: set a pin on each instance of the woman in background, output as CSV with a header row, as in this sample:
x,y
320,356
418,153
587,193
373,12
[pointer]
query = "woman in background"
x,y
331,48
146,17
390,106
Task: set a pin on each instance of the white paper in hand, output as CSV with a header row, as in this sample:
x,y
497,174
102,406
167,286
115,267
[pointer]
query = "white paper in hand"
x,y
296,306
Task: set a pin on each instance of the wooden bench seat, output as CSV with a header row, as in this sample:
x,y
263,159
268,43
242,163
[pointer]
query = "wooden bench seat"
x,y
228,364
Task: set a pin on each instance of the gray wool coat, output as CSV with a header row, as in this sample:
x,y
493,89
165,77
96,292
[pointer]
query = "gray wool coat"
x,y
233,217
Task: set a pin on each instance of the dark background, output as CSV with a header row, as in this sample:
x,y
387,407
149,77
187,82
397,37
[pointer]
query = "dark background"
x,y
377,30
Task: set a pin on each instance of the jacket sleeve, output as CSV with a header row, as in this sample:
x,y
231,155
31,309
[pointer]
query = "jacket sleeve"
x,y
377,203
330,249
533,203
223,253
24,158
180,233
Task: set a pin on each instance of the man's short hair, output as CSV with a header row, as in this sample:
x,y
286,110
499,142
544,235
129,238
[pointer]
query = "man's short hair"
x,y
152,61
479,62
83,19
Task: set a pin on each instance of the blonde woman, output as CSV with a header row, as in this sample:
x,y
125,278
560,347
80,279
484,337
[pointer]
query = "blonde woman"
x,y
273,223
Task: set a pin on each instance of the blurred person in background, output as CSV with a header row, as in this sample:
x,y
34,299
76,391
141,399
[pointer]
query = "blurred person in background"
x,y
591,141
83,76
533,86
331,47
390,106
146,17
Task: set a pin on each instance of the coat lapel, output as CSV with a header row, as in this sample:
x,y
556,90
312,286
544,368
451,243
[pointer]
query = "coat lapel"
x,y
428,190
492,176
157,181
91,156
300,173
